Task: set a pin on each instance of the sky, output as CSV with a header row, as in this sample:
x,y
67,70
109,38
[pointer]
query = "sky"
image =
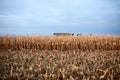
x,y
44,17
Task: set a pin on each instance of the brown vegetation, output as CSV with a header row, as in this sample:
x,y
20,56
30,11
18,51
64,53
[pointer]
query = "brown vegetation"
x,y
60,57
61,43
59,65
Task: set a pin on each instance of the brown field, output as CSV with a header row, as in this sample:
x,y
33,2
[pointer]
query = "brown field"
x,y
61,43
59,65
60,57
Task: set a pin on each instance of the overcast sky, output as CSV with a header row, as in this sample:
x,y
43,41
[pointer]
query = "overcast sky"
x,y
48,16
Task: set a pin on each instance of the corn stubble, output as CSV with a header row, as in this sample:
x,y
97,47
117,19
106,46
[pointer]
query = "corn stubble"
x,y
59,58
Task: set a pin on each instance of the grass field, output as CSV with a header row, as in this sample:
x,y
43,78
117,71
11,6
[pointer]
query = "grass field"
x,y
60,58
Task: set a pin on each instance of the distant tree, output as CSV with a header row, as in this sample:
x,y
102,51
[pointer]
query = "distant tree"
x,y
64,34
79,34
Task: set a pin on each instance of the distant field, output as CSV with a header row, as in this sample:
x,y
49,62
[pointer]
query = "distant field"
x,y
60,57
61,43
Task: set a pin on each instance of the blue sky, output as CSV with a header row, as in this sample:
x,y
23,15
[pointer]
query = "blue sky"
x,y
48,16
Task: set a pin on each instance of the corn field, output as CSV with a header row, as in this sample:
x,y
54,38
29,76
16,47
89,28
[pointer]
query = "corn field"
x,y
59,65
61,43
60,57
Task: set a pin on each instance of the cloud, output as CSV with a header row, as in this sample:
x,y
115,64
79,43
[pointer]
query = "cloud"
x,y
14,20
38,13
